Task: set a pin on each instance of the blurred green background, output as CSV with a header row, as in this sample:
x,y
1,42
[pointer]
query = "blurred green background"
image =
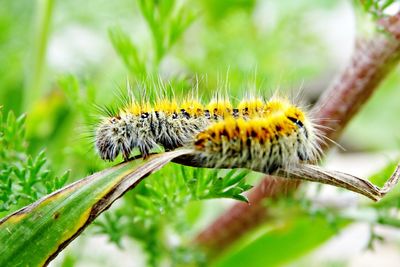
x,y
60,58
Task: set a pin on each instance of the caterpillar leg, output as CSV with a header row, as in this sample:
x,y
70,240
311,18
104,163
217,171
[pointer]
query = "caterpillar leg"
x,y
359,185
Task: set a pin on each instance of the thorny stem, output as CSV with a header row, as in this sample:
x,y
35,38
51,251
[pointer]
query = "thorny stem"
x,y
371,62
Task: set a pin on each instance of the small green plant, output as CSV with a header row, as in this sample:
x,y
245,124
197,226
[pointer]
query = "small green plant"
x,y
167,21
166,204
24,178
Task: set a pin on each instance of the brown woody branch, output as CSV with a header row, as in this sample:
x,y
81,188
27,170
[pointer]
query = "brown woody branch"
x,y
371,62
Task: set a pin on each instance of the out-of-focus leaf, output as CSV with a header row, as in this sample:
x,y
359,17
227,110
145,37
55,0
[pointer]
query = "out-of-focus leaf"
x,y
280,245
34,235
128,51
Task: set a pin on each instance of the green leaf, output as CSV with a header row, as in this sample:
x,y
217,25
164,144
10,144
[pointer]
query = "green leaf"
x,y
280,245
34,235
231,178
241,198
128,51
230,185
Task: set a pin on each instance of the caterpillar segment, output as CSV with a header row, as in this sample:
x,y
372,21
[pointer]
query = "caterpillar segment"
x,y
266,143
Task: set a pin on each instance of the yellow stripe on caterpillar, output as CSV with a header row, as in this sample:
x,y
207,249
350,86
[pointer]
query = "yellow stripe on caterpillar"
x,y
192,107
219,108
169,107
279,140
251,107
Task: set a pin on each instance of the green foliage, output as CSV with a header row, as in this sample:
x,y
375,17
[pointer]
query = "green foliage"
x,y
127,51
23,178
58,218
14,47
167,20
279,245
162,207
377,8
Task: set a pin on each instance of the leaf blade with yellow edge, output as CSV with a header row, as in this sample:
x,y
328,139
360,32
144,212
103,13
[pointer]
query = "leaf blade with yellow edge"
x,y
35,234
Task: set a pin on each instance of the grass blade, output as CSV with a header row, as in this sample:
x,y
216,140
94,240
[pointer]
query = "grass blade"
x,y
35,234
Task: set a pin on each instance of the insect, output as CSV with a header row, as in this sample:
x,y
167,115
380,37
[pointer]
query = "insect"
x,y
273,133
271,136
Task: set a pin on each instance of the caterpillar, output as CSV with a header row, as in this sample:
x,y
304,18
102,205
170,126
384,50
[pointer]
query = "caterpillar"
x,y
257,134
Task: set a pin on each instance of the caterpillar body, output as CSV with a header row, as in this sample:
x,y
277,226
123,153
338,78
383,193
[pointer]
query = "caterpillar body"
x,y
257,134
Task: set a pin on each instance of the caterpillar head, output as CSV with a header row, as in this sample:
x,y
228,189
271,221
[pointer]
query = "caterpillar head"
x,y
113,136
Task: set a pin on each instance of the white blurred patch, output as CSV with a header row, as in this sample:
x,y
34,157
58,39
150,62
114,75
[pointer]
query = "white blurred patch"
x,y
392,9
266,14
337,29
73,48
97,250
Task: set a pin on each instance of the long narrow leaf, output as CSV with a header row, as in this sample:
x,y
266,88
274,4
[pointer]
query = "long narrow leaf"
x,y
34,235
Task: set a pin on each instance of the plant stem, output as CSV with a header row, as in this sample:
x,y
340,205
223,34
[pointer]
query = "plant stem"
x,y
371,62
34,84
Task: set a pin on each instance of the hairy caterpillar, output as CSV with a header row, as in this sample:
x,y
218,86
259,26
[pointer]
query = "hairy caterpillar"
x,y
273,137
263,134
